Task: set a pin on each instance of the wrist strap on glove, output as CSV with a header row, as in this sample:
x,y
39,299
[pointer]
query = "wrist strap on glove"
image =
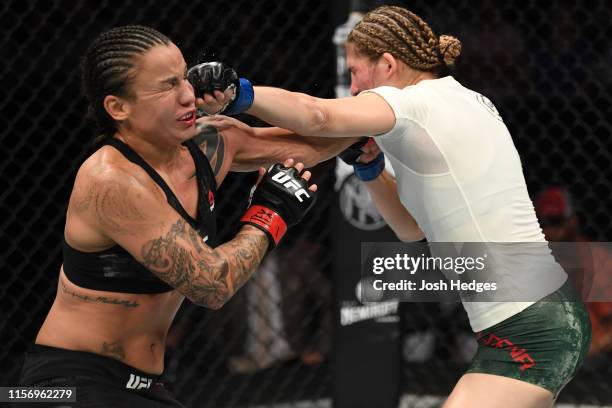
x,y
369,171
244,98
268,221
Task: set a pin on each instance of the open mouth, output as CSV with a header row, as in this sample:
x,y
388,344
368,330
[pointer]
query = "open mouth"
x,y
187,117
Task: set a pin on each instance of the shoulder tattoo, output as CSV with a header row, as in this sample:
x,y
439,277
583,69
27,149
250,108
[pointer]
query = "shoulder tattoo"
x,y
212,143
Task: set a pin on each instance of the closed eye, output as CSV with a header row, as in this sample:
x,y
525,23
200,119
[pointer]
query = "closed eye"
x,y
170,82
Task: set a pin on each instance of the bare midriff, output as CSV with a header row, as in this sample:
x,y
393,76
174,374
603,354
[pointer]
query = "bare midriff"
x,y
130,328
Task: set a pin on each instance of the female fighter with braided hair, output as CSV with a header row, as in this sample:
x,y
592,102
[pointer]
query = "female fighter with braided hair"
x,y
458,179
140,226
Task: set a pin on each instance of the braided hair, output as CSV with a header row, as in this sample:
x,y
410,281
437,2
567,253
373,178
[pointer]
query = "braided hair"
x,y
107,69
407,37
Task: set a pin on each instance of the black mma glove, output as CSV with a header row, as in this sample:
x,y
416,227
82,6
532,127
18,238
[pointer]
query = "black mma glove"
x,y
280,200
210,76
363,171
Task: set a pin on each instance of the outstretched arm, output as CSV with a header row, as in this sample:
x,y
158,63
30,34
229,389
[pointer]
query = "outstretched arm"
x,y
233,145
365,115
274,144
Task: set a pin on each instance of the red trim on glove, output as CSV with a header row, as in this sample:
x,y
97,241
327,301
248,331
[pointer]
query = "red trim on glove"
x,y
267,220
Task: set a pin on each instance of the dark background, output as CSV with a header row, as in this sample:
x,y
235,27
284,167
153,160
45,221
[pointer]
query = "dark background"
x,y
547,66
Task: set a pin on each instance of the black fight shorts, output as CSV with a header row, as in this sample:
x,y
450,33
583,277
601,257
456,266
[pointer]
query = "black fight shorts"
x,y
99,381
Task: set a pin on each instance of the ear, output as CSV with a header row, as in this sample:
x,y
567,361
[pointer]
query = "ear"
x,y
117,107
389,63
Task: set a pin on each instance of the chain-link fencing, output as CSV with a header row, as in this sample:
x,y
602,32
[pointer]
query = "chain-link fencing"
x,y
546,66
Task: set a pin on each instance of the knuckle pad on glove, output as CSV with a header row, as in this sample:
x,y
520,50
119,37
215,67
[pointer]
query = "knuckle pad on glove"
x,y
292,171
210,76
230,77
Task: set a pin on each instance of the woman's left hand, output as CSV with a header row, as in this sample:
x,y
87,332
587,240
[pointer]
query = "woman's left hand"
x,y
222,122
213,104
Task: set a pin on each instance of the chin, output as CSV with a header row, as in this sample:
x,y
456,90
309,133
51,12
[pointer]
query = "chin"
x,y
186,134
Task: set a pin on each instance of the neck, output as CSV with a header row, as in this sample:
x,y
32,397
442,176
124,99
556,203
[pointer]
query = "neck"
x,y
156,154
413,77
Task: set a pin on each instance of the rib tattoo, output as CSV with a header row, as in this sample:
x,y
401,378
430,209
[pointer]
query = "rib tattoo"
x,y
114,350
99,299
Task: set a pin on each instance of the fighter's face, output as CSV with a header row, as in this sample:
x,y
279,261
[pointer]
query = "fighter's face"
x,y
365,72
163,101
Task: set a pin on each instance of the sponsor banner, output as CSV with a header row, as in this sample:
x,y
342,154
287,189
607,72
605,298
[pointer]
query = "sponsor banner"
x,y
366,346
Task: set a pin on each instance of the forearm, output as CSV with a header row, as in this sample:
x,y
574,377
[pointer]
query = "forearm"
x,y
291,110
282,143
224,271
383,191
208,277
323,148
243,254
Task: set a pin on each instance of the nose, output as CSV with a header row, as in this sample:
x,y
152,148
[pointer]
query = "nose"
x,y
354,89
187,95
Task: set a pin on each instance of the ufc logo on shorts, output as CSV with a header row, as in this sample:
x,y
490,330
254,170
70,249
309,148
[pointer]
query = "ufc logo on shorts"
x,y
517,353
288,183
137,382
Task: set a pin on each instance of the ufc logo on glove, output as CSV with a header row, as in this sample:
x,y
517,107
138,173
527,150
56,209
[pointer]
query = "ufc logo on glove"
x,y
289,183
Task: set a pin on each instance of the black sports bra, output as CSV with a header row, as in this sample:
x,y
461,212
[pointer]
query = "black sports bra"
x,y
114,269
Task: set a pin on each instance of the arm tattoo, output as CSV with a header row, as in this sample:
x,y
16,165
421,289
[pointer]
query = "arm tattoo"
x,y
247,250
207,277
82,202
114,207
99,299
113,350
212,143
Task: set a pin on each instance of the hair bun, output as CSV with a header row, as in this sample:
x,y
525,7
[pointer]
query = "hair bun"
x,y
450,49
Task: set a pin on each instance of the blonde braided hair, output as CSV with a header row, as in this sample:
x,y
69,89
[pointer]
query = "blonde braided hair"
x,y
407,37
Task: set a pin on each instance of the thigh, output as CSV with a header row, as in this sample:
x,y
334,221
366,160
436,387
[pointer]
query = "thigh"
x,y
543,345
494,391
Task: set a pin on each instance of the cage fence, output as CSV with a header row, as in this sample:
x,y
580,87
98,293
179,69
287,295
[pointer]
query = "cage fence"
x,y
546,66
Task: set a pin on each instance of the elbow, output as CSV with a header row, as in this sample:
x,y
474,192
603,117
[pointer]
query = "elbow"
x,y
215,303
405,238
410,236
317,119
320,119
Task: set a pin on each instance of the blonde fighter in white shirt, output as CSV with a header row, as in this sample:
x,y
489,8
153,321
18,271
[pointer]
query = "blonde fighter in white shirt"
x,y
459,179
